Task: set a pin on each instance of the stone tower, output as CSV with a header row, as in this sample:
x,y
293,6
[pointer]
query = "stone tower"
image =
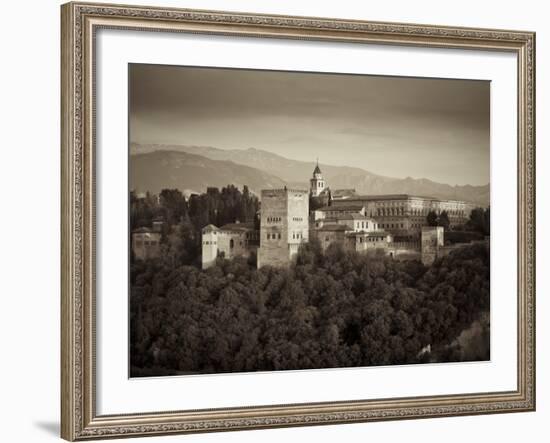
x,y
317,182
283,225
432,238
210,234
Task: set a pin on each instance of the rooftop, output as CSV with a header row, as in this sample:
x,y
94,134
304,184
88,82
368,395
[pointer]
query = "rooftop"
x,y
339,193
333,227
367,234
360,198
352,216
284,190
237,227
389,197
339,208
141,230
210,228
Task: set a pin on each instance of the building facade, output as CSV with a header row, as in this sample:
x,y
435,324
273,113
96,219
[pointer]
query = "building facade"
x,y
229,241
317,183
406,215
145,244
284,225
395,224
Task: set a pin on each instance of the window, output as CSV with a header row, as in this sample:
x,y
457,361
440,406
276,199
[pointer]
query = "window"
x,y
269,236
327,238
279,235
231,244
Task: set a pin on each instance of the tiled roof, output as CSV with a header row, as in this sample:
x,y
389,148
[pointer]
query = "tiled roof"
x,y
333,227
389,197
339,208
343,192
368,234
237,227
353,216
142,230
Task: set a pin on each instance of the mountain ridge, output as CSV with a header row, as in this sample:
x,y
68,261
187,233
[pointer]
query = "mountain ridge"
x,y
159,170
283,171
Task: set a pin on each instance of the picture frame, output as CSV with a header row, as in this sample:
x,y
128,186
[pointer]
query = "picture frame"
x,y
79,178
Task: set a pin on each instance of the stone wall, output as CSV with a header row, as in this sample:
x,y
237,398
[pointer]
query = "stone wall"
x,y
146,245
284,225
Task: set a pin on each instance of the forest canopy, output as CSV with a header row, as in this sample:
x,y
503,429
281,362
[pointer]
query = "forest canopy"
x,y
332,309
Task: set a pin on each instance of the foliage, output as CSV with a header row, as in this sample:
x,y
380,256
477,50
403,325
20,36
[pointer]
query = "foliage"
x,y
183,220
462,236
480,221
432,219
315,203
337,309
444,221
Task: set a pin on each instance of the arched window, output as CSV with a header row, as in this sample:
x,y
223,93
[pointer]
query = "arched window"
x,y
231,244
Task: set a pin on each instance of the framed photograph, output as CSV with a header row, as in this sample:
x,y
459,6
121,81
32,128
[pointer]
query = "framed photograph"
x,y
283,221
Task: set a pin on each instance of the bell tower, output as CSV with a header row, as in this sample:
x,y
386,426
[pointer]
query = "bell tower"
x,y
317,182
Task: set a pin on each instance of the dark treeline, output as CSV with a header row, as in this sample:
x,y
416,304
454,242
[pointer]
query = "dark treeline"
x,y
337,309
476,228
183,219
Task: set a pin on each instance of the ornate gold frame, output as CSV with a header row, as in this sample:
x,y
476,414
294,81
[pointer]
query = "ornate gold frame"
x,y
79,420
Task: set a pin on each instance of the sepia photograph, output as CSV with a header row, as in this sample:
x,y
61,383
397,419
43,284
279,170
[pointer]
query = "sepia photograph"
x,y
286,220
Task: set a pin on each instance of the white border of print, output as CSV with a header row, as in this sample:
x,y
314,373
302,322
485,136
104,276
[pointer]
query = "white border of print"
x,y
116,393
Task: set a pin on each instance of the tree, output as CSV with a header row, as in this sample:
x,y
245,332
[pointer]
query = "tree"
x,y
480,221
333,309
443,220
315,203
174,205
431,218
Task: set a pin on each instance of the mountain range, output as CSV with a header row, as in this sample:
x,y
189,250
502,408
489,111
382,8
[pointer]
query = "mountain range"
x,y
154,167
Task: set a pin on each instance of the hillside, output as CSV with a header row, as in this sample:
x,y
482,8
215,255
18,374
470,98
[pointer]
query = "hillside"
x,y
157,170
297,173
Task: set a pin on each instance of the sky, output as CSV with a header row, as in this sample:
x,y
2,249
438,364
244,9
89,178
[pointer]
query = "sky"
x,y
393,126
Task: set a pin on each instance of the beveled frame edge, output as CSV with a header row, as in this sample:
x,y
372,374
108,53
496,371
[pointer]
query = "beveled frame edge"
x,y
78,24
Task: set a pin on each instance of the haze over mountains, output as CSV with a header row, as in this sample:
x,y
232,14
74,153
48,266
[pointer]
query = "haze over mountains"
x,y
154,167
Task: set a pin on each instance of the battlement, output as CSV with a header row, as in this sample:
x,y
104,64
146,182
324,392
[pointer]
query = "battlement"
x,y
281,192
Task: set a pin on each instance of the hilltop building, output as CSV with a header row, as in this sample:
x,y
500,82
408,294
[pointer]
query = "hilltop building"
x,y
317,182
145,243
284,225
394,224
404,214
229,241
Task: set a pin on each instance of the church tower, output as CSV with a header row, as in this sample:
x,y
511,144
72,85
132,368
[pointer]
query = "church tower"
x,y
317,182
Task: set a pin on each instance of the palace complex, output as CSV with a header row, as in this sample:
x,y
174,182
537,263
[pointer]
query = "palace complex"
x,y
396,224
393,224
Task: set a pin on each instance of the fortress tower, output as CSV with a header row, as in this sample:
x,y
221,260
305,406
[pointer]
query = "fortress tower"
x,y
283,226
317,182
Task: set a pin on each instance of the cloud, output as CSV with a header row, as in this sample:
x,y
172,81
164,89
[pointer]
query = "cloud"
x,y
431,128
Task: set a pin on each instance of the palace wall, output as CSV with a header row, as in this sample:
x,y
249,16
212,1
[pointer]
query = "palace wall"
x,y
284,225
